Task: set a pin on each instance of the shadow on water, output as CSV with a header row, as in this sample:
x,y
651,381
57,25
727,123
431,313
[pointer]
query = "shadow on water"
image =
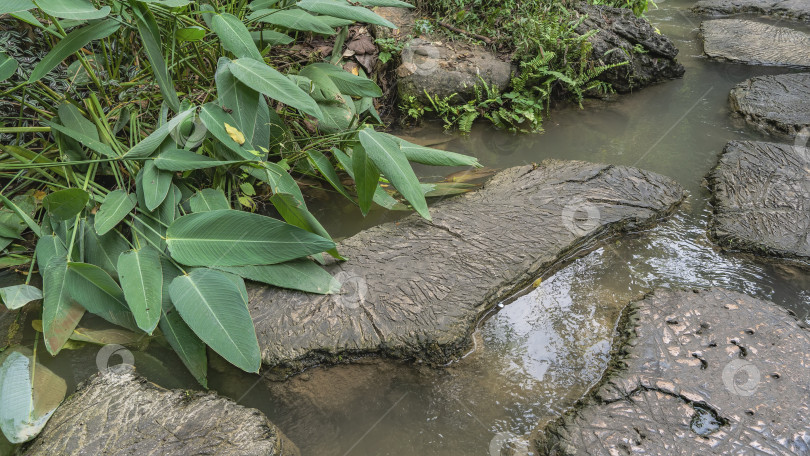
x,y
545,347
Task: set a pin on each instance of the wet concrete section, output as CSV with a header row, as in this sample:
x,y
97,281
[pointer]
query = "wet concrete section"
x,y
417,288
761,198
696,372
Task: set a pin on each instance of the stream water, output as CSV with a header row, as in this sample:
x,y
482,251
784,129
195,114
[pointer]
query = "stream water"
x,y
542,350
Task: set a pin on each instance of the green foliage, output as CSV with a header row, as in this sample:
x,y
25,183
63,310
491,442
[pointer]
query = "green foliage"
x,y
554,60
122,185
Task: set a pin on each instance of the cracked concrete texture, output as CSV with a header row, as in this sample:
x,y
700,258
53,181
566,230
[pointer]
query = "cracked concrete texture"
x,y
119,413
415,289
683,355
761,199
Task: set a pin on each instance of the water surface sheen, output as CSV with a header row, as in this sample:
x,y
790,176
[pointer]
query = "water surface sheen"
x,y
543,349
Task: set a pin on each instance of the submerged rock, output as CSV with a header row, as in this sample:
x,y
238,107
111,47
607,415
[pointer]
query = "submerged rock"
x,y
696,372
416,288
446,68
761,198
795,9
117,412
778,105
755,43
620,37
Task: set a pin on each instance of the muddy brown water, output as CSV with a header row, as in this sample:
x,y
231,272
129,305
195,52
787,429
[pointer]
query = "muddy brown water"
x,y
537,353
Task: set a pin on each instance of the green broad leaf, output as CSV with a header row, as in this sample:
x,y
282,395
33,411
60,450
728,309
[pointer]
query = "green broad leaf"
x,y
150,37
208,199
15,6
366,178
317,84
141,277
215,119
302,275
335,22
343,10
430,156
65,204
168,3
263,78
212,305
28,18
8,66
103,250
250,110
71,43
81,10
17,296
115,208
278,179
193,33
156,185
347,83
87,141
49,248
185,160
319,161
72,118
337,117
182,339
392,3
235,37
270,37
261,4
28,207
387,156
26,403
293,19
295,212
106,336
189,348
149,145
98,293
60,313
236,238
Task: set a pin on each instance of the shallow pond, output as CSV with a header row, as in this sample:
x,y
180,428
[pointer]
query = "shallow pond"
x,y
539,352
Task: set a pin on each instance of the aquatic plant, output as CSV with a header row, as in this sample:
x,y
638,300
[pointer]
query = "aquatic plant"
x,y
132,191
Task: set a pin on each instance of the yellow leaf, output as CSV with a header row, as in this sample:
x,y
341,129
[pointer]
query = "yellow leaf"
x,y
537,282
355,71
235,134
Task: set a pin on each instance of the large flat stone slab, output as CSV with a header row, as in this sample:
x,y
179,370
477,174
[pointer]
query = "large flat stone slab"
x,y
619,33
703,372
416,288
794,9
445,68
761,198
118,413
755,43
777,105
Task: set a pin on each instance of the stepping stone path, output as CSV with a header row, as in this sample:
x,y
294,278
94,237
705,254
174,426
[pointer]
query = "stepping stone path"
x,y
755,43
117,412
777,105
415,289
696,372
761,198
795,9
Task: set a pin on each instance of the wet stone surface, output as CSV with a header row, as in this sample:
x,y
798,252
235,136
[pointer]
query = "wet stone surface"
x,y
118,412
777,105
755,43
696,372
619,38
761,198
795,9
415,289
